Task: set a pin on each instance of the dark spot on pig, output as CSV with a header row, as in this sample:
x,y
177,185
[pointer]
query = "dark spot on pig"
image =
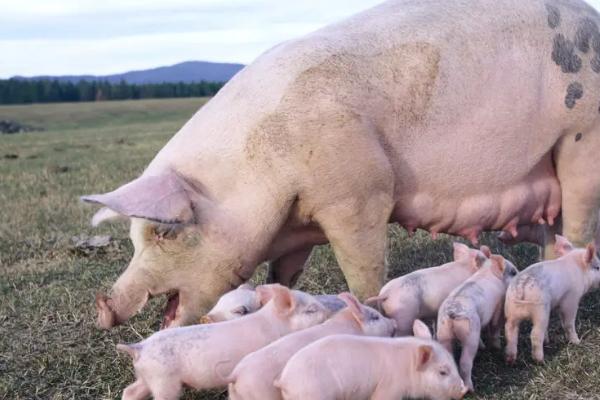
x,y
578,137
574,93
11,156
586,31
563,54
415,281
595,63
553,16
455,309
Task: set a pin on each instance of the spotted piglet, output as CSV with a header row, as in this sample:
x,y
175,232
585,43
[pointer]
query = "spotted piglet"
x,y
359,368
559,283
418,295
202,356
477,303
244,300
253,377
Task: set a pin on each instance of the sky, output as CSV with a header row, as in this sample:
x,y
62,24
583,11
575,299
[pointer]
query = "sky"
x,y
61,37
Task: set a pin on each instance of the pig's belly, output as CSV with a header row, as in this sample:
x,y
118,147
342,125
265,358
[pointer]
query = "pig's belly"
x,y
461,208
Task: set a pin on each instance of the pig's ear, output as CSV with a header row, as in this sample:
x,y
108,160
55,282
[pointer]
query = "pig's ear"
x,y
562,245
460,251
498,265
284,299
246,286
353,305
421,330
486,251
264,293
165,198
590,252
477,258
105,214
424,354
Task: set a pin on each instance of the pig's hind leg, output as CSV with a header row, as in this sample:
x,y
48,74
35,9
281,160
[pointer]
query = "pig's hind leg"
x,y
540,319
136,391
568,314
468,332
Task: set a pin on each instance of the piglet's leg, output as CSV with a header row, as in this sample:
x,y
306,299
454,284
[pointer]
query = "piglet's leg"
x,y
540,321
469,333
136,391
568,314
512,339
165,389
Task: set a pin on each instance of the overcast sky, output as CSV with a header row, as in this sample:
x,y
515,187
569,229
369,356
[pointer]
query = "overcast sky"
x,y
58,37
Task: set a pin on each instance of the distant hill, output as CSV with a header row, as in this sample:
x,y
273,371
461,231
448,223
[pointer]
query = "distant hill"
x,y
188,72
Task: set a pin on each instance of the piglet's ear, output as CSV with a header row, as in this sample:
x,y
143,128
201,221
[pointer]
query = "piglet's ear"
x,y
461,251
283,298
164,198
264,293
498,265
590,252
477,258
562,245
105,214
486,251
246,286
353,305
424,354
421,330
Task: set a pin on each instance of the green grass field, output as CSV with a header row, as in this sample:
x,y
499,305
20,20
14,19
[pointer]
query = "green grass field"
x,y
49,347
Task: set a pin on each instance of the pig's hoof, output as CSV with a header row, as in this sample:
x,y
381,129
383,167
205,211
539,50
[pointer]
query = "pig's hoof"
x,y
511,359
575,341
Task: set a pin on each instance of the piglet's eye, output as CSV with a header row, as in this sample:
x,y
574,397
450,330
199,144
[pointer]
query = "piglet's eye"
x,y
311,309
443,372
241,310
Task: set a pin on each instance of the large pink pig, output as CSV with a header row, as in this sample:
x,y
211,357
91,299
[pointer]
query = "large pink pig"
x,y
360,368
202,356
452,116
544,286
419,294
254,376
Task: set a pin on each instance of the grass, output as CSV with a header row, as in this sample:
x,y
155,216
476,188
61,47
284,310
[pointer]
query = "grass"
x,y
49,347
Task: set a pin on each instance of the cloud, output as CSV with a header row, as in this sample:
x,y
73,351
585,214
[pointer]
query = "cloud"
x,y
39,37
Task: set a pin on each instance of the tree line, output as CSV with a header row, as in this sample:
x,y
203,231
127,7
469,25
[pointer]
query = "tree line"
x,y
19,91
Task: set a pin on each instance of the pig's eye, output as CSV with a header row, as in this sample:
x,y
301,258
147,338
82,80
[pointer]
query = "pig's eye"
x,y
166,231
243,310
443,372
311,309
374,317
513,272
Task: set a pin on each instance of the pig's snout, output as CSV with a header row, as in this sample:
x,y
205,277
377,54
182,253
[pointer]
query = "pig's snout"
x,y
106,316
463,390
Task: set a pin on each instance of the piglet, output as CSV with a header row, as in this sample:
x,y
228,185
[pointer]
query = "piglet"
x,y
354,367
475,304
559,283
418,295
244,300
202,356
253,377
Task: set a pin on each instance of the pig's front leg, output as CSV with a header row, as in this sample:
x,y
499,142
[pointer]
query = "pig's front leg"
x,y
287,269
136,391
568,314
357,231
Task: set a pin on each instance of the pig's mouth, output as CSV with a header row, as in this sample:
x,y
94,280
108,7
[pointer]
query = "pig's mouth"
x,y
170,313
